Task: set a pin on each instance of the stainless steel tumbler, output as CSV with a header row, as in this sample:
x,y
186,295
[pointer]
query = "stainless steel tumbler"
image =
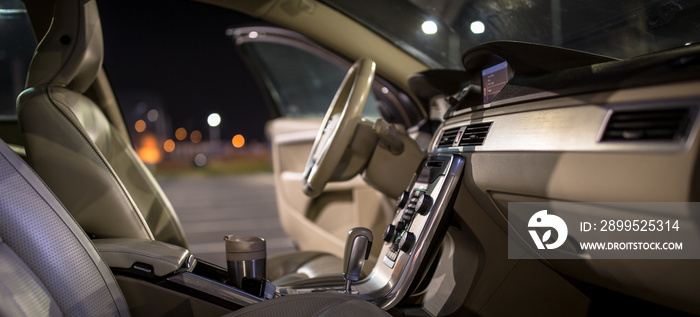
x,y
245,257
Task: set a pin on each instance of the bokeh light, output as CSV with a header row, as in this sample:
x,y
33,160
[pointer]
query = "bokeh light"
x,y
152,115
140,126
180,134
200,160
148,151
169,145
214,119
238,141
196,136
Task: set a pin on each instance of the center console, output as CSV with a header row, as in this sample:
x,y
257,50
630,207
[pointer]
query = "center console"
x,y
413,238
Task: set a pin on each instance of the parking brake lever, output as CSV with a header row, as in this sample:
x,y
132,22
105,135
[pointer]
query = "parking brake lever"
x,y
357,248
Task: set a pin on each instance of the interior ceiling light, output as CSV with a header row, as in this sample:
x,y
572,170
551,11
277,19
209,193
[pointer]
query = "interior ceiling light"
x,y
429,27
477,27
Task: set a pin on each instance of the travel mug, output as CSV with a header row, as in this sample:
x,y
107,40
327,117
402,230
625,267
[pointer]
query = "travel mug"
x,y
245,257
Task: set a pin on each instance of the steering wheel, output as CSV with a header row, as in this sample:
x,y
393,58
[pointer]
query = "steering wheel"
x,y
338,127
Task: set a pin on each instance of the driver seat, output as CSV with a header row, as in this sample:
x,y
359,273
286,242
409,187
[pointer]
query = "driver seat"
x,y
84,159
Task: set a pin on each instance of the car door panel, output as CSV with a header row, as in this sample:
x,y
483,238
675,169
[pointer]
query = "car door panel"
x,y
320,223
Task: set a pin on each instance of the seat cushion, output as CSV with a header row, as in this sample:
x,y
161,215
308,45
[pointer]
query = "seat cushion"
x,y
36,229
312,304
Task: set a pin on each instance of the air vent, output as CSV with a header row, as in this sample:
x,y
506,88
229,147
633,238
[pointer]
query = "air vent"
x,y
475,134
471,135
648,125
448,137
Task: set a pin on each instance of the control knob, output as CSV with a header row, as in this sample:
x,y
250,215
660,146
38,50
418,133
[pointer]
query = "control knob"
x,y
408,239
403,199
425,202
389,233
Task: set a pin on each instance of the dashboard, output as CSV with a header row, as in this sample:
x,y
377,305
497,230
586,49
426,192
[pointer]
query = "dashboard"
x,y
522,129
585,128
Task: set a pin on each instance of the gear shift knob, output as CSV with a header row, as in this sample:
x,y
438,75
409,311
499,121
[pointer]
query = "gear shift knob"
x,y
357,248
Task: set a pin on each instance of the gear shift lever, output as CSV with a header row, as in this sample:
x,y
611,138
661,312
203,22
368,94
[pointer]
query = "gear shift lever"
x,y
357,248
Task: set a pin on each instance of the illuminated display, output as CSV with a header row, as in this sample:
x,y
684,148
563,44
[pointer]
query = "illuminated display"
x,y
493,79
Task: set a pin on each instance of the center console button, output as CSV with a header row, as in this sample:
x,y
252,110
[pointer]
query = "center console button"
x,y
391,255
400,226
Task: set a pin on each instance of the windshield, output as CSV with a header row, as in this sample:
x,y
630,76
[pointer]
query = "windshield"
x,y
438,31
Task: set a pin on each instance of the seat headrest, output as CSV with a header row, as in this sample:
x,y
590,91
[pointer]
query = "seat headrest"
x,y
71,52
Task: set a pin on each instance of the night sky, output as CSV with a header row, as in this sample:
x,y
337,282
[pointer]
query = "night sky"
x,y
175,55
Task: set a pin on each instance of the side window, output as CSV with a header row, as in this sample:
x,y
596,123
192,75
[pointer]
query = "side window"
x,y
16,51
302,84
302,77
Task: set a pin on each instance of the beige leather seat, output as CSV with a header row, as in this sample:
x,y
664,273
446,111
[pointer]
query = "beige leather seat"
x,y
85,161
49,267
75,149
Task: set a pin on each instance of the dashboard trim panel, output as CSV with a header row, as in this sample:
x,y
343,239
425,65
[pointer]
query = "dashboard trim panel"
x,y
551,130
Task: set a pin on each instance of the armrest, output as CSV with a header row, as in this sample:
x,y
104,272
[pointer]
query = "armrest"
x,y
123,253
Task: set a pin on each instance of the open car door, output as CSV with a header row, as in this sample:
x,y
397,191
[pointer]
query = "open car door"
x,y
301,78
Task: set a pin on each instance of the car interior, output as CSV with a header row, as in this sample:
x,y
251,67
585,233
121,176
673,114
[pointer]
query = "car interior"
x,y
399,195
